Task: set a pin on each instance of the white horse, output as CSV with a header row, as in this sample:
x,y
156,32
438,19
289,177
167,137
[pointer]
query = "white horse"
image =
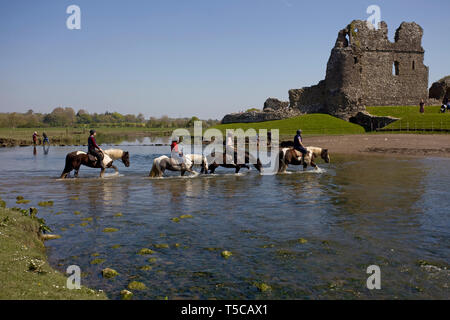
x,y
164,163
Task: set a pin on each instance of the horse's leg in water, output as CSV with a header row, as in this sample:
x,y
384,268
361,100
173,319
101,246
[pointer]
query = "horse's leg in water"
x,y
64,174
238,167
213,168
102,173
115,168
77,169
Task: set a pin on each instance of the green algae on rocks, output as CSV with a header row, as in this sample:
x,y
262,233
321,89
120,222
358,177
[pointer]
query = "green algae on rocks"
x,y
109,273
161,246
46,203
263,287
135,285
146,268
97,261
146,251
126,295
226,254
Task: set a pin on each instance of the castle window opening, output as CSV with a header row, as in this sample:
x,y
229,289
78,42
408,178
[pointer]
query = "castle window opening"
x,y
395,68
414,65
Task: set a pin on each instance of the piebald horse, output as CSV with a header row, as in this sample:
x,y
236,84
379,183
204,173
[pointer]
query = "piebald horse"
x,y
289,156
163,163
77,158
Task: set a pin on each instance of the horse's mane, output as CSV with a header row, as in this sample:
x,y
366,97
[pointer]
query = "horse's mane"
x,y
114,153
315,150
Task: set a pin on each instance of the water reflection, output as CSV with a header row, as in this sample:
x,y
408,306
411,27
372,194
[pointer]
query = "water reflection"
x,y
357,212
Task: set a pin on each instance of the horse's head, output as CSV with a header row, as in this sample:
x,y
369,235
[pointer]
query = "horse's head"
x,y
126,158
325,156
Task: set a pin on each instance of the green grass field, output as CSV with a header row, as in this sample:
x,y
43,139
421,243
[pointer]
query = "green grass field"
x,y
79,135
311,124
412,120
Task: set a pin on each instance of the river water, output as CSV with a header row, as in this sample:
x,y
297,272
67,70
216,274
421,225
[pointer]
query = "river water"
x,y
308,235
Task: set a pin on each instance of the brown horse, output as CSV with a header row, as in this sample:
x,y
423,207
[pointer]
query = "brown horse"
x,y
289,156
237,166
75,159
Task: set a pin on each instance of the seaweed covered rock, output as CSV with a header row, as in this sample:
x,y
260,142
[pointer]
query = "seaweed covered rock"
x,y
109,273
126,295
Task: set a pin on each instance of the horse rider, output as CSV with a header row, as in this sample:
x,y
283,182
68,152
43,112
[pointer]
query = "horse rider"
x,y
93,147
44,135
298,144
176,153
229,148
35,135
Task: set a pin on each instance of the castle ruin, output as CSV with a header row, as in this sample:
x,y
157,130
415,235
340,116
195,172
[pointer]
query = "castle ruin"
x,y
364,69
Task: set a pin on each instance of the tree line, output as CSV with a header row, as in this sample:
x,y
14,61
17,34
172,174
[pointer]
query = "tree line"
x,y
66,117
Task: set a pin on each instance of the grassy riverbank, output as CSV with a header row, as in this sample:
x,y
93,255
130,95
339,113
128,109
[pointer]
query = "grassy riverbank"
x,y
76,136
311,124
24,271
412,120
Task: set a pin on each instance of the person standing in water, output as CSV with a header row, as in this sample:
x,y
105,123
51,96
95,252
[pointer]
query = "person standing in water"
x,y
93,147
35,135
44,135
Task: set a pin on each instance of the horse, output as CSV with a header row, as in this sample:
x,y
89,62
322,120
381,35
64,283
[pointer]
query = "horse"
x,y
237,166
77,158
197,159
163,163
291,156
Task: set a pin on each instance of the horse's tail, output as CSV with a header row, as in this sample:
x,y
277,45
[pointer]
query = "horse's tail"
x,y
156,170
68,166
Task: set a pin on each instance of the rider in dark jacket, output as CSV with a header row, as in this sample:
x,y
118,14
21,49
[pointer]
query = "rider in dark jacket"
x,y
298,143
93,147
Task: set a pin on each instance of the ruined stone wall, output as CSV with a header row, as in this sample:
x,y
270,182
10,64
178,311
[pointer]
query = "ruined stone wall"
x,y
391,73
364,69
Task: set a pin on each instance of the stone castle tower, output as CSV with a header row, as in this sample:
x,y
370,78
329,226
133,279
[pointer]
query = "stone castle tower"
x,y
366,69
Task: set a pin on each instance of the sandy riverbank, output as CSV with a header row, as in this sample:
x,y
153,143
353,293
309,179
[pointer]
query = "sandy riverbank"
x,y
390,144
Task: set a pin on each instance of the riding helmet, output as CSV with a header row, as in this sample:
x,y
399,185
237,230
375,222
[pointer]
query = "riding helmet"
x,y
299,131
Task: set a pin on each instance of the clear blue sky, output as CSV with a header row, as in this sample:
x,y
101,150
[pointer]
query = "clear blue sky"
x,y
184,58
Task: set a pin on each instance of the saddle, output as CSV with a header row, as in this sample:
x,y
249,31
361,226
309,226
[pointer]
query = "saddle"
x,y
298,154
92,159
